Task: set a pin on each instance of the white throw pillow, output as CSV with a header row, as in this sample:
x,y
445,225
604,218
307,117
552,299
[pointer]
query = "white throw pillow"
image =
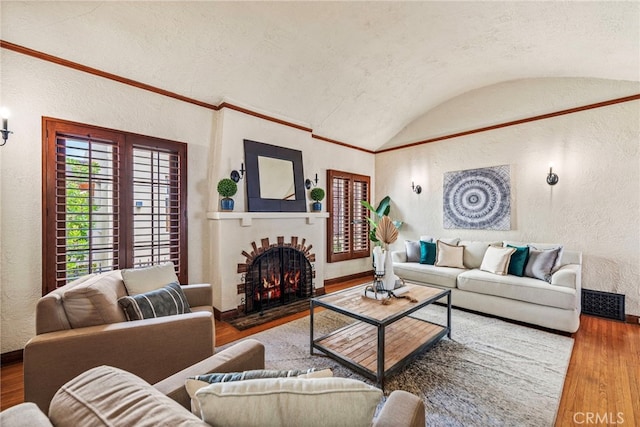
x,y
449,256
496,260
146,279
474,252
192,385
289,401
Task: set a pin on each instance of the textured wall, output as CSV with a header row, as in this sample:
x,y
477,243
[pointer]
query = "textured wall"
x,y
32,89
595,207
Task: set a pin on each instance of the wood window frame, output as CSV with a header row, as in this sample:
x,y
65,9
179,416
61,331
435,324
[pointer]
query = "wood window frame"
x,y
350,203
124,144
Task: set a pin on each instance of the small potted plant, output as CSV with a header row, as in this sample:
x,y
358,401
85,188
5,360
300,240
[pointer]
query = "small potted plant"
x,y
317,194
227,188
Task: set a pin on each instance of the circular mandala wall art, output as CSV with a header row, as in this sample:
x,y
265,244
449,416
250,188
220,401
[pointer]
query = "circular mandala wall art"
x,y
478,199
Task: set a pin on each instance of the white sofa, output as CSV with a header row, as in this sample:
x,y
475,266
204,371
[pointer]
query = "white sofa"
x,y
554,305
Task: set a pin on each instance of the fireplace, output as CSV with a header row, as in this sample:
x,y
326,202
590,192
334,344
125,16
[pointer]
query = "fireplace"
x,y
275,275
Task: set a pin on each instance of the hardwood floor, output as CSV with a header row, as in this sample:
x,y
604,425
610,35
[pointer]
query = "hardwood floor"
x,y
602,386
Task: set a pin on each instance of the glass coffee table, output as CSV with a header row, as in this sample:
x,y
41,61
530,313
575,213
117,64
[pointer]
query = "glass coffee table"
x,y
382,338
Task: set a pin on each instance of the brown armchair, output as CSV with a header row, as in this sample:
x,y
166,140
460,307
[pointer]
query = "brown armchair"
x,y
80,326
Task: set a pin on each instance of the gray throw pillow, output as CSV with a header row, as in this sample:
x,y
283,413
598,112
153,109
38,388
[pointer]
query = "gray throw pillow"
x,y
166,301
540,263
413,250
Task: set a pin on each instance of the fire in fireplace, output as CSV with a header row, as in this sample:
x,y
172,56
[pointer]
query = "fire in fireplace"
x,y
276,275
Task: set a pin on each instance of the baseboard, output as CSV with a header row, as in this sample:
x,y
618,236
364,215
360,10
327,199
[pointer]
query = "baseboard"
x,y
341,279
11,357
634,320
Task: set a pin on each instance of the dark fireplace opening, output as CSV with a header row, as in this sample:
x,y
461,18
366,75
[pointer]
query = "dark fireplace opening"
x,y
278,275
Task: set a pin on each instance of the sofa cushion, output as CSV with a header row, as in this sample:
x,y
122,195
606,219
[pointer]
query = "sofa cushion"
x,y
289,401
167,301
474,252
428,252
518,288
110,396
518,260
453,241
413,250
540,264
145,279
449,256
425,273
496,260
95,301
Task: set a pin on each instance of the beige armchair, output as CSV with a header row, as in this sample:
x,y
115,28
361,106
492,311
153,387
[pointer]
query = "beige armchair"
x,y
80,326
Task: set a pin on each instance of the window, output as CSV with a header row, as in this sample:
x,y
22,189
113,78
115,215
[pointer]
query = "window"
x,y
348,231
112,200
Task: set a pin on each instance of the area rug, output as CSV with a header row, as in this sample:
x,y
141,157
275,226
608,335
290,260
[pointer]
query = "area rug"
x,y
491,373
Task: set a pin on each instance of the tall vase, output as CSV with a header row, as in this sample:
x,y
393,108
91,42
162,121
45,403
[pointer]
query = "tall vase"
x,y
389,279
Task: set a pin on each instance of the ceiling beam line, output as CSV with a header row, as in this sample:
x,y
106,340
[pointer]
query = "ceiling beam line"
x,y
516,122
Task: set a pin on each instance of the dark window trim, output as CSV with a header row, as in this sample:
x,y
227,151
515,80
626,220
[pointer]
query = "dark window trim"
x,y
351,254
125,141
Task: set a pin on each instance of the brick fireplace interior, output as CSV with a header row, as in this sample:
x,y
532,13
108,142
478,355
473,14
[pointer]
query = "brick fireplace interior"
x,y
275,274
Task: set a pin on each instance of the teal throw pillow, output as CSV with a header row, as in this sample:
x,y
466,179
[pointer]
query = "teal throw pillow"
x,y
518,260
427,253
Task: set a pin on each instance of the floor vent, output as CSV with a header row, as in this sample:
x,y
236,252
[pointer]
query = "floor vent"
x,y
603,304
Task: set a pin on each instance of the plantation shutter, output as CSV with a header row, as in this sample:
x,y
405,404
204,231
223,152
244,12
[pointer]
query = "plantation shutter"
x,y
360,225
156,211
111,200
348,231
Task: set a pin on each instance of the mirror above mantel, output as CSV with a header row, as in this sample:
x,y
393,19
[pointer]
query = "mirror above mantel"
x,y
274,177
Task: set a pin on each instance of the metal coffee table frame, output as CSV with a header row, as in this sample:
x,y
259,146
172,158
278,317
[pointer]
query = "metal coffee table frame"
x,y
436,333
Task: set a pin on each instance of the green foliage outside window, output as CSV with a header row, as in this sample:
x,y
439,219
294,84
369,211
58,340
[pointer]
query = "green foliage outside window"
x,y
78,207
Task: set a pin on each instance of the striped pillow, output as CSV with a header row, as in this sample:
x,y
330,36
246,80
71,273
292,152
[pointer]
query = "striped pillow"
x,y
166,301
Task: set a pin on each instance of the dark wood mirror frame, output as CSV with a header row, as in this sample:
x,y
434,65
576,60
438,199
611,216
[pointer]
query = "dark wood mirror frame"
x,y
255,203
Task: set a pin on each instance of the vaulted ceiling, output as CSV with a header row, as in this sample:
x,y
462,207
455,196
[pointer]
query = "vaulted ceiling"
x,y
357,72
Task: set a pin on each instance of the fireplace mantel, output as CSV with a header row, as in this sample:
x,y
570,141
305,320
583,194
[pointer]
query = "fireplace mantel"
x,y
246,218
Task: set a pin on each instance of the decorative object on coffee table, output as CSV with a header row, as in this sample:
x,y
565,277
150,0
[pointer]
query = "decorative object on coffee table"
x,y
317,194
227,188
387,233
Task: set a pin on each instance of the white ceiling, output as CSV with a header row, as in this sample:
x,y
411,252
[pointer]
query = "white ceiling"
x,y
357,72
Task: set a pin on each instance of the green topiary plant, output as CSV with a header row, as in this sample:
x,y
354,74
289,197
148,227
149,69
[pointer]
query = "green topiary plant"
x,y
317,194
227,187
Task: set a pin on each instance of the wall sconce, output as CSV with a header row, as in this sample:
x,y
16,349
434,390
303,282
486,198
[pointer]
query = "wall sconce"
x,y
552,178
416,188
308,183
5,125
237,176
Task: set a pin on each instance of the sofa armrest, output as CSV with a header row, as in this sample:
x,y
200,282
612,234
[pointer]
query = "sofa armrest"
x,y
569,276
243,356
152,349
23,415
198,294
399,256
401,409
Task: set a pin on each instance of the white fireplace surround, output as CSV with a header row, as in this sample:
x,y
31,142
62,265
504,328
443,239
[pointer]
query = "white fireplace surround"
x,y
233,232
